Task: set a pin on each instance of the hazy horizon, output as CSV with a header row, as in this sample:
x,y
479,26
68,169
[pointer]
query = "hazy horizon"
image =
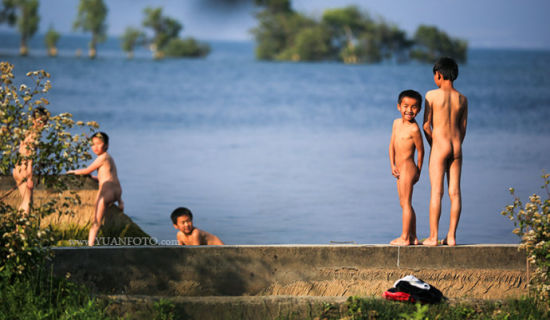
x,y
486,24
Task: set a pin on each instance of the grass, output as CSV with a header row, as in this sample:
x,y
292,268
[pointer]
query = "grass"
x,y
374,308
43,296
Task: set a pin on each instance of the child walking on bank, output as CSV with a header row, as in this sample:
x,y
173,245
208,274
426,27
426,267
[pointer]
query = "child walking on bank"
x,y
405,139
445,119
109,186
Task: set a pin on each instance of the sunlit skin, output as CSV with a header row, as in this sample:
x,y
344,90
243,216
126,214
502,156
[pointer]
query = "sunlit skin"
x,y
406,138
445,120
109,186
191,236
22,172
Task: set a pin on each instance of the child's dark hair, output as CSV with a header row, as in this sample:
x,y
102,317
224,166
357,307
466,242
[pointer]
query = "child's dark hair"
x,y
181,211
411,94
447,67
40,112
101,136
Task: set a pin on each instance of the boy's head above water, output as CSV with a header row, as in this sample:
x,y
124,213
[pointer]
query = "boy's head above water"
x,y
409,104
447,68
182,218
100,143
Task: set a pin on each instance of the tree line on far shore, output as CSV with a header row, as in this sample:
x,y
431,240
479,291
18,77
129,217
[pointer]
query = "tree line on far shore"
x,y
91,16
348,34
345,34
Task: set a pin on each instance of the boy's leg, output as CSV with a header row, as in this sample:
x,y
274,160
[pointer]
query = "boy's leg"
x,y
98,215
104,198
412,230
437,170
454,173
404,188
26,196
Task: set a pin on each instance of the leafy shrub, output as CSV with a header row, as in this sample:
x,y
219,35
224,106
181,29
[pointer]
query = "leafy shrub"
x,y
27,290
188,47
533,227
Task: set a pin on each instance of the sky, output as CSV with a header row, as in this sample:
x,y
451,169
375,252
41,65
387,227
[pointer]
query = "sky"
x,y
485,23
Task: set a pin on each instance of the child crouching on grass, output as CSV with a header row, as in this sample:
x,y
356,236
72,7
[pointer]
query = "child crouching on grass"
x,y
109,186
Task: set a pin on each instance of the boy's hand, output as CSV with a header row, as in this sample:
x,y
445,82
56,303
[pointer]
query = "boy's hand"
x,y
395,172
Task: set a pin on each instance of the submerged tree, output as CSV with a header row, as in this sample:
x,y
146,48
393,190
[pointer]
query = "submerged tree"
x,y
51,39
91,18
166,41
24,14
279,29
130,39
431,43
347,34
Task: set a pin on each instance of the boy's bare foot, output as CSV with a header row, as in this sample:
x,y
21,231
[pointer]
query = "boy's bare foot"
x,y
400,242
447,242
430,242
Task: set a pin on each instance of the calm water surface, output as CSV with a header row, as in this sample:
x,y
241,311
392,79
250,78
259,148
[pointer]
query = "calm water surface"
x,y
278,153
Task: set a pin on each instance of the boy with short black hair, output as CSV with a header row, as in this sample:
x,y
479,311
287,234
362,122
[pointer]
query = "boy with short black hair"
x,y
110,190
405,139
182,218
445,120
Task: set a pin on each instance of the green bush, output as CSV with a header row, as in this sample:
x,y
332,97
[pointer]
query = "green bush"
x,y
532,220
28,289
188,47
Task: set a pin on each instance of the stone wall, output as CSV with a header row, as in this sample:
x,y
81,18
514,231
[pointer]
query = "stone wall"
x,y
475,271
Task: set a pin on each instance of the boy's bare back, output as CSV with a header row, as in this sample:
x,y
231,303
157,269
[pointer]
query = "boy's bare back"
x,y
445,120
106,170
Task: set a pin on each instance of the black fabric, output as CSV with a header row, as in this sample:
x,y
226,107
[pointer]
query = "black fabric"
x,y
425,296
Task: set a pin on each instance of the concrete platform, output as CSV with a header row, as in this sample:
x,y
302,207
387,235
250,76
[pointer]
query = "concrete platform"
x,y
470,271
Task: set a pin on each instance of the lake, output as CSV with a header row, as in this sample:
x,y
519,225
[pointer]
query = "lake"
x,y
296,153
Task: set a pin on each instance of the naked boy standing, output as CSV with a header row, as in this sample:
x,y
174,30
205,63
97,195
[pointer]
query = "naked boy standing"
x,y
445,120
406,138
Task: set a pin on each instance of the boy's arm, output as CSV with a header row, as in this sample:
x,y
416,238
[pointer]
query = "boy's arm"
x,y
180,238
213,240
464,120
419,144
94,166
394,170
428,118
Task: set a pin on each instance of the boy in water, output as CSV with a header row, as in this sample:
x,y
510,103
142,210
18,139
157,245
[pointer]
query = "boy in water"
x,y
445,119
109,186
182,218
405,139
22,172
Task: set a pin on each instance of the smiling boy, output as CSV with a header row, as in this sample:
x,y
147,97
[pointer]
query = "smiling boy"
x,y
405,139
182,218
